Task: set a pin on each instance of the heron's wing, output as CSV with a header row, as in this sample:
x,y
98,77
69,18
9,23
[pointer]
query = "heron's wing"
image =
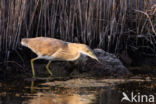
x,y
47,46
63,54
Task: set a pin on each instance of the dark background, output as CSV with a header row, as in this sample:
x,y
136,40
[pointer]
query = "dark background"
x,y
123,27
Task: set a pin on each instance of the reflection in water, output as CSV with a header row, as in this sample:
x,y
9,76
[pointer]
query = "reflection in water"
x,y
72,91
58,95
43,98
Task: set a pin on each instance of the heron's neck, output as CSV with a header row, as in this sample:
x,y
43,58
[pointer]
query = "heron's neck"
x,y
75,47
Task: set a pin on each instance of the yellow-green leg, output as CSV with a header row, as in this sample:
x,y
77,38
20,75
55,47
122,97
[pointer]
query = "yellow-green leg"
x,y
32,66
47,67
32,86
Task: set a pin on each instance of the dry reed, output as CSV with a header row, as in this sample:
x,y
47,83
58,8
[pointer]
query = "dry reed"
x,y
98,23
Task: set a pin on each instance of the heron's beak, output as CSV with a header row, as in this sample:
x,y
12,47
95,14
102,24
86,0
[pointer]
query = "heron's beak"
x,y
94,57
97,59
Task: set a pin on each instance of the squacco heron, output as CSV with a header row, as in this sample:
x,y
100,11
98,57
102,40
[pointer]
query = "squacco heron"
x,y
53,49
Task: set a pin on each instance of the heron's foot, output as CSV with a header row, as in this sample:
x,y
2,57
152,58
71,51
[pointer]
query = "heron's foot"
x,y
51,74
47,67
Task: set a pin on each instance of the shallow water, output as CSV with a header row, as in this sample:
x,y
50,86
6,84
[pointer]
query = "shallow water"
x,y
74,90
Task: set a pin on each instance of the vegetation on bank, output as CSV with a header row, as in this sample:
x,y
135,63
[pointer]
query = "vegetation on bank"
x,y
98,23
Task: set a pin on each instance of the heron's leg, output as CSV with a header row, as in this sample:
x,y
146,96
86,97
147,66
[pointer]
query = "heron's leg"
x,y
47,67
32,66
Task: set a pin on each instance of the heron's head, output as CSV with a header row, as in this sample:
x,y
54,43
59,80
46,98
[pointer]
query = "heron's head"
x,y
84,49
24,42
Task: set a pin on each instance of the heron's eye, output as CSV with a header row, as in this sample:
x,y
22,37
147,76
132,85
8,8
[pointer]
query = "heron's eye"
x,y
88,51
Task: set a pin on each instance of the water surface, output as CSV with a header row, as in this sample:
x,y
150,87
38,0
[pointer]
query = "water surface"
x,y
47,90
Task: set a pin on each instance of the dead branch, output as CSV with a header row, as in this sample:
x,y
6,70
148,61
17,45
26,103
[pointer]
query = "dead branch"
x,y
145,13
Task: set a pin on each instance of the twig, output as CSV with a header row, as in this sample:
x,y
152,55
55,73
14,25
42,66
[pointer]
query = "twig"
x,y
145,13
12,62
